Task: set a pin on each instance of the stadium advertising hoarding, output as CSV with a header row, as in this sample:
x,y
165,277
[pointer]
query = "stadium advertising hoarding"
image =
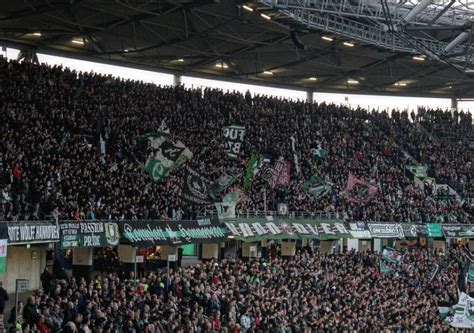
x,y
152,233
260,229
88,234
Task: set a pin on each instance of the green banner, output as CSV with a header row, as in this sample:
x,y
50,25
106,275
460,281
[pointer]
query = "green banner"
x,y
420,171
434,230
88,234
259,229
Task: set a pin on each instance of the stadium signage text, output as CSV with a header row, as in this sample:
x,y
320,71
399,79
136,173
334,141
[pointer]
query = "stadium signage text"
x,y
32,232
386,230
254,231
89,234
152,233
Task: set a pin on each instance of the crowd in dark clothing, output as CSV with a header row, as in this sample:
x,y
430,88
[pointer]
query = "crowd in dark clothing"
x,y
309,292
52,119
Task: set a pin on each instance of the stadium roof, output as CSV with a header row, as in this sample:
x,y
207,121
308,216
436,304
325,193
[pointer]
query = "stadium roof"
x,y
417,48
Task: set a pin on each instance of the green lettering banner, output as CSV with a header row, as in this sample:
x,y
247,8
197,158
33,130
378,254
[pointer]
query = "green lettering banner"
x,y
88,234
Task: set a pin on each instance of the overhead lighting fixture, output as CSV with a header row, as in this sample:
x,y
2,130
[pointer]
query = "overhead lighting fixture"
x,y
401,84
78,41
125,50
313,78
221,65
419,58
250,9
268,72
329,39
348,44
265,16
351,81
180,60
37,34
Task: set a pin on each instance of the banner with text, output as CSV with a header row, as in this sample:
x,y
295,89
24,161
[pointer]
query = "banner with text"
x,y
30,232
386,230
259,229
88,234
152,233
233,139
458,230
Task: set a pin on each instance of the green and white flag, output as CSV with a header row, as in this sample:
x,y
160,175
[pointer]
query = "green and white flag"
x,y
384,268
420,171
319,153
463,312
253,166
165,156
3,256
391,255
316,186
226,208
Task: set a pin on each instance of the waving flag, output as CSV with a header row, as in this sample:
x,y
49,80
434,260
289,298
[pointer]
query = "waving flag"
x,y
165,156
359,190
253,166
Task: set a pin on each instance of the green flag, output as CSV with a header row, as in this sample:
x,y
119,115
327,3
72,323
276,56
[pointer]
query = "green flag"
x,y
384,268
443,311
316,186
319,153
165,156
253,166
392,255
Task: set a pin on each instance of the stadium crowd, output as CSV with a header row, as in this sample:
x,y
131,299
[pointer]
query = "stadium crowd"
x,y
51,120
309,292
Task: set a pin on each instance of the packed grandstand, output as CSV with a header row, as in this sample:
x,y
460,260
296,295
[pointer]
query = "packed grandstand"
x,y
81,146
70,147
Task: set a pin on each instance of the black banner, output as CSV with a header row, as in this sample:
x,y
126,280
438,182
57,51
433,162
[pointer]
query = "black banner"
x,y
197,189
458,230
234,138
386,230
30,232
414,230
173,233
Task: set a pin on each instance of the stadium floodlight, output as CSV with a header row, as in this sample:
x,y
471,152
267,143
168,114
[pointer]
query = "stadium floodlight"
x,y
348,44
421,6
329,39
221,65
265,16
78,41
250,9
461,38
419,58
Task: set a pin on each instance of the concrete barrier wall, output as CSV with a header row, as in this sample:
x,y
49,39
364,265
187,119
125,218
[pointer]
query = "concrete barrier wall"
x,y
24,263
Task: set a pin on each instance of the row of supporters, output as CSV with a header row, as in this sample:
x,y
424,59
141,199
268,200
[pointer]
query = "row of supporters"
x,y
151,233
